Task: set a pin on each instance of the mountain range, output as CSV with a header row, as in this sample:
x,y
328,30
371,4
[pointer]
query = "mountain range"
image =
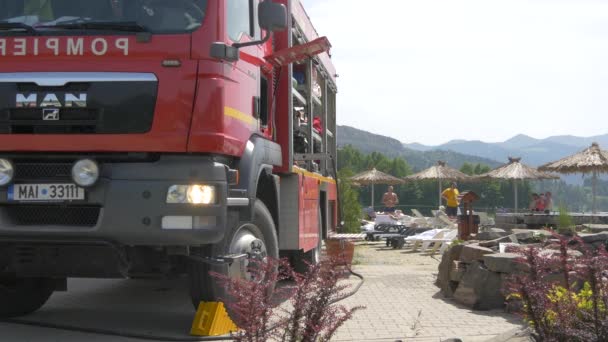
x,y
367,142
534,152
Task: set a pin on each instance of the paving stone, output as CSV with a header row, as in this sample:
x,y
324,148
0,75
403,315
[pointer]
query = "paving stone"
x,y
472,253
397,286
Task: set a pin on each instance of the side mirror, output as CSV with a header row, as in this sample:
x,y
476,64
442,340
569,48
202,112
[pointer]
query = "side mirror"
x,y
272,16
224,52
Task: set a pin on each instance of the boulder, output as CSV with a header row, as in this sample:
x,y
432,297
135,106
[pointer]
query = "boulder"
x,y
447,263
556,253
457,270
525,236
485,236
502,262
472,253
591,238
559,279
480,289
455,252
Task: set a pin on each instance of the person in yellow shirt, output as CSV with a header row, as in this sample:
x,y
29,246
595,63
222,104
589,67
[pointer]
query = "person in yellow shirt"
x,y
451,197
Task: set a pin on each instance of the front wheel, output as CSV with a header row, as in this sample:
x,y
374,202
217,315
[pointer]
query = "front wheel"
x,y
21,296
257,238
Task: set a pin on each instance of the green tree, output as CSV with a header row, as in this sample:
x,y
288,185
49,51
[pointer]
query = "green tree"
x,y
481,169
350,158
467,168
399,168
349,202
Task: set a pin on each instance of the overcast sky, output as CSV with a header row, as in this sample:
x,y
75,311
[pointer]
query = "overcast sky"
x,y
430,71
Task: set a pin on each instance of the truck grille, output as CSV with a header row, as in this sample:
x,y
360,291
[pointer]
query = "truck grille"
x,y
52,215
30,121
26,171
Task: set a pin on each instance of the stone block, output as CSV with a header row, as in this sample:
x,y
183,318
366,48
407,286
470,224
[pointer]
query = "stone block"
x,y
556,253
495,242
502,262
485,236
559,280
455,252
524,235
447,263
457,271
472,253
591,238
480,289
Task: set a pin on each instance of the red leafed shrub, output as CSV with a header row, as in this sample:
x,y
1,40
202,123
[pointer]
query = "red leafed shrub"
x,y
564,294
312,312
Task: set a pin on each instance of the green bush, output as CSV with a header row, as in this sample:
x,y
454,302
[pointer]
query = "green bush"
x,y
565,224
349,201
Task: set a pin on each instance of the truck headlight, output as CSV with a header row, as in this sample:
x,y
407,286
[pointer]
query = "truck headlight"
x,y
191,194
85,172
7,171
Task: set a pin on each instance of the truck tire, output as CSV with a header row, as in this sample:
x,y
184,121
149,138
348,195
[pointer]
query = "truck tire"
x,y
21,296
258,238
302,260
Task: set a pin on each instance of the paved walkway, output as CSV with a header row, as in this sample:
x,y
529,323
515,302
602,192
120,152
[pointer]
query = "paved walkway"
x,y
403,304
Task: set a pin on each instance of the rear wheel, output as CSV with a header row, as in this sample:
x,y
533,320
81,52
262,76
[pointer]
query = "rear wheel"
x,y
21,296
258,239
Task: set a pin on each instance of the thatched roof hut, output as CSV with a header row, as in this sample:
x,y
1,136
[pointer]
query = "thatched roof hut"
x,y
591,159
375,177
439,172
515,171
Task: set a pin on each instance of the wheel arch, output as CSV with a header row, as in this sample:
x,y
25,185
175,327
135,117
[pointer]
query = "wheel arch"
x,y
256,178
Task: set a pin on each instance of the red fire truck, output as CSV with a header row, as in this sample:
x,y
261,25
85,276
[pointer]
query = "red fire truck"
x,y
144,138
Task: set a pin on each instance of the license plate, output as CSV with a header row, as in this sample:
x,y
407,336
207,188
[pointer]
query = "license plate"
x,y
45,192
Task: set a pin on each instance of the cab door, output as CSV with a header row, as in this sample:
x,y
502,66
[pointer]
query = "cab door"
x,y
244,99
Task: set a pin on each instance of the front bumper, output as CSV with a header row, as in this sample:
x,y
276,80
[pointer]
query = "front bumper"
x,y
126,206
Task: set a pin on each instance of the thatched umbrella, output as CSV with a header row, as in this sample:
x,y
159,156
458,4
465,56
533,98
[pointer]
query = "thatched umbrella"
x,y
515,171
373,177
440,172
591,160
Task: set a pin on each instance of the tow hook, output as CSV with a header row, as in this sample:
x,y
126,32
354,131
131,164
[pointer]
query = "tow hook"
x,y
220,260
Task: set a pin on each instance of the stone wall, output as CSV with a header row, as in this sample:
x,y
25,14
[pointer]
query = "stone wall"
x,y
473,273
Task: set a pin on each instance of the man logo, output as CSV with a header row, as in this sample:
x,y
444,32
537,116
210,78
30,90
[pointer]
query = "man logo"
x,y
50,114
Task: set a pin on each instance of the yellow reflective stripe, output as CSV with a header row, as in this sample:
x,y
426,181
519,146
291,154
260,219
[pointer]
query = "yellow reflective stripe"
x,y
313,175
235,114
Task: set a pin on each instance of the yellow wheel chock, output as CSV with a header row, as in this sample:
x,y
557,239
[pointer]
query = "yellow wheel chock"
x,y
212,320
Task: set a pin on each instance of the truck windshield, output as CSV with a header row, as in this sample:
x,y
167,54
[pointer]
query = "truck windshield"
x,y
156,16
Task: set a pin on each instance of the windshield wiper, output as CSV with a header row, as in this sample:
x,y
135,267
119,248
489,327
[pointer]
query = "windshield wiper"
x,y
7,26
126,26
